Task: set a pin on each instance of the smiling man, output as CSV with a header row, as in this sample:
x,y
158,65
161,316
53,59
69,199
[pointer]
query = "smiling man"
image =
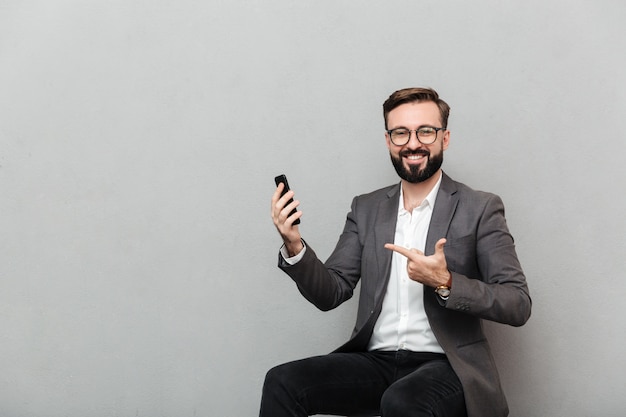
x,y
434,259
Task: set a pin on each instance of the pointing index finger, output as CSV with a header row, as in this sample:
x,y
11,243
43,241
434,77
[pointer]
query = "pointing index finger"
x,y
400,249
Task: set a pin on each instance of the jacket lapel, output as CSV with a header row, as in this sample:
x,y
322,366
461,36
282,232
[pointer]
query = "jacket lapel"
x,y
445,206
384,232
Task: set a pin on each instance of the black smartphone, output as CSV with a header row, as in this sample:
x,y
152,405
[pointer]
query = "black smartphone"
x,y
282,178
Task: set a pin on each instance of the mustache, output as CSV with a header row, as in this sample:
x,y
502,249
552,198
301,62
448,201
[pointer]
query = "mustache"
x,y
409,152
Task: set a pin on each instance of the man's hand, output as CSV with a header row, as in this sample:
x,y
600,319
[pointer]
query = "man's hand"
x,y
289,232
429,270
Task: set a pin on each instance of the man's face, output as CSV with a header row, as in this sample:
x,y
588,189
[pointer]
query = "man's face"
x,y
415,162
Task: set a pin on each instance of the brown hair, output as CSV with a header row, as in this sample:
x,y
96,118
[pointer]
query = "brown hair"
x,y
410,95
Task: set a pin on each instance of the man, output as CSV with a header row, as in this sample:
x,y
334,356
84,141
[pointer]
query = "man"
x,y
434,258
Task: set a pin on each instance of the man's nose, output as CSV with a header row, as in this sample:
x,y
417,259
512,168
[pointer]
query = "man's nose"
x,y
413,142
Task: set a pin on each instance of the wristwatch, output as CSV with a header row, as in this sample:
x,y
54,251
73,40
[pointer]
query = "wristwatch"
x,y
443,291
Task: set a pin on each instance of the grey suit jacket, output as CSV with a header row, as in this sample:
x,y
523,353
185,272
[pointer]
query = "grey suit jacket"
x,y
488,281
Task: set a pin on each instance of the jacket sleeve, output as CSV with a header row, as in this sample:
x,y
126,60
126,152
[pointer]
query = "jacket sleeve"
x,y
497,289
327,285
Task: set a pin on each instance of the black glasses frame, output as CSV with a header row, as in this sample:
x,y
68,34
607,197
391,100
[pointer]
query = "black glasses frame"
x,y
436,129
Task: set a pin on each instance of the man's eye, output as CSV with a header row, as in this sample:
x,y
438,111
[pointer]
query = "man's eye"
x,y
400,132
426,131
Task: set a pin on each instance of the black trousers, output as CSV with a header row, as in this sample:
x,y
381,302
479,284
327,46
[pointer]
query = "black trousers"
x,y
390,384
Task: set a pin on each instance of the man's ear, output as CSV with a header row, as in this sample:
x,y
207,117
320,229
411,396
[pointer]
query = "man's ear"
x,y
388,140
446,139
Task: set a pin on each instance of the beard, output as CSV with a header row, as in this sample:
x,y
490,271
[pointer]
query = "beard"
x,y
414,174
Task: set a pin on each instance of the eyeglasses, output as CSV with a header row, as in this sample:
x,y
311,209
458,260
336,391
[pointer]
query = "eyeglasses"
x,y
425,135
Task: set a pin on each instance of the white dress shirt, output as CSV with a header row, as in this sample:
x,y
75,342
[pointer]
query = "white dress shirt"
x,y
402,324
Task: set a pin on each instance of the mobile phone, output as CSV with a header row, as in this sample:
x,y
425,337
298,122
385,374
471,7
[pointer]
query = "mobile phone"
x,y
283,178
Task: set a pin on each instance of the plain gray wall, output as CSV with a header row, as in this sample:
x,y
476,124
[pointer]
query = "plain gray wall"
x,y
138,145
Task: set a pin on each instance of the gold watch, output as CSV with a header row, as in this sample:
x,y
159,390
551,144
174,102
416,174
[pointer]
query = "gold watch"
x,y
443,291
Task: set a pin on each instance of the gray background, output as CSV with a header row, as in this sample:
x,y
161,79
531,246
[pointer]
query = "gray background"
x,y
138,145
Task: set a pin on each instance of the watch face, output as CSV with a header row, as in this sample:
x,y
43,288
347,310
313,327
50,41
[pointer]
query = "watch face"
x,y
443,292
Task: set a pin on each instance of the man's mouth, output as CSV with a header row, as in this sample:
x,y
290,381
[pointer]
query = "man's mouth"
x,y
414,156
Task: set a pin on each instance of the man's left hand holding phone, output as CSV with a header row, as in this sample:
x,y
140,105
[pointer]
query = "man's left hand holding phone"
x,y
286,217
